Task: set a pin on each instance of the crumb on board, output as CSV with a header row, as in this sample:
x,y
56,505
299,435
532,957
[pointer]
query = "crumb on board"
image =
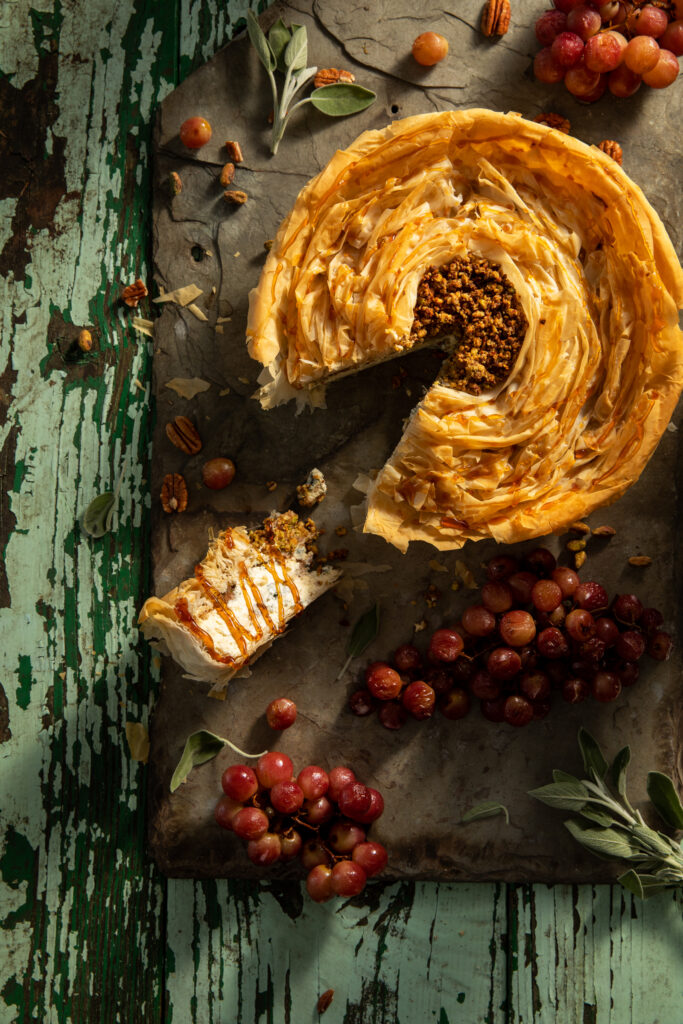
x,y
313,491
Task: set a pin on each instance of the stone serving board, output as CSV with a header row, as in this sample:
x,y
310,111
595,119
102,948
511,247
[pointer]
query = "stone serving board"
x,y
430,773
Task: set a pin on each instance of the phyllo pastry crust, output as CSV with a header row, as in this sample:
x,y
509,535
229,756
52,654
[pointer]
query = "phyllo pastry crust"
x,y
242,596
561,371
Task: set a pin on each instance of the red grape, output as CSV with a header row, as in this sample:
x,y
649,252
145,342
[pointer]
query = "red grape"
x,y
501,567
225,810
338,778
318,811
274,767
460,672
549,25
591,596
535,685
314,781
581,82
623,82
630,645
440,680
218,473
250,823
478,620
344,835
584,20
286,797
651,620
594,95
290,844
264,850
551,643
607,631
517,628
605,51
281,713
497,597
580,624
606,686
641,54
375,810
418,699
354,799
575,690
348,878
429,48
567,49
566,579
503,663
628,673
546,68
319,883
239,781
484,686
313,853
455,704
517,710
540,561
664,72
494,710
392,716
546,595
673,38
362,703
541,708
407,658
445,645
659,646
383,681
592,650
372,857
648,21
195,132
567,5
521,584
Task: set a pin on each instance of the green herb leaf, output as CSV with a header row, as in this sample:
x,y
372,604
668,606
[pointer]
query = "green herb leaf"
x,y
278,38
663,795
97,518
296,52
569,796
592,754
364,632
259,42
631,881
618,770
200,747
598,817
559,776
605,842
487,809
341,99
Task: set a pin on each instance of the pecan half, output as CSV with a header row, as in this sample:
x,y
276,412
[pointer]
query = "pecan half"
x,y
132,294
227,175
561,124
174,493
330,76
234,151
613,149
495,18
235,196
183,434
325,1000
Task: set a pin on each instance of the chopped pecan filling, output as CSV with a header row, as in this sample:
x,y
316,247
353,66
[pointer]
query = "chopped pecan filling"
x,y
471,298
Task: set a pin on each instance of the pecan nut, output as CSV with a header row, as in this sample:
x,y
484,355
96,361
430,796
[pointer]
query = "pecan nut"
x,y
495,18
235,196
227,175
183,434
234,151
330,76
613,149
561,124
174,493
132,294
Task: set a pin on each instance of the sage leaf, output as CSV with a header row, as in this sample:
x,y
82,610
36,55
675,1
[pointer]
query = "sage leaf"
x,y
592,754
569,796
560,776
296,52
200,747
598,817
364,632
259,42
605,842
278,38
341,99
663,795
631,881
97,518
487,809
618,770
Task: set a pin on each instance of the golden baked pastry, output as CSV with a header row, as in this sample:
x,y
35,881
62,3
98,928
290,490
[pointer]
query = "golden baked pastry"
x,y
242,596
553,407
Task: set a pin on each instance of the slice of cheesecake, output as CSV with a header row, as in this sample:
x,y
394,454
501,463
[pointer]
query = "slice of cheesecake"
x,y
242,596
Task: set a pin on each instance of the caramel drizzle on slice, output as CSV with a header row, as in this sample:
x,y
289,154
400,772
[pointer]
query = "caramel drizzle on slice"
x,y
183,613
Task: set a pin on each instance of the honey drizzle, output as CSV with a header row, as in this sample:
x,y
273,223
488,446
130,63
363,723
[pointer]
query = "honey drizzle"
x,y
183,613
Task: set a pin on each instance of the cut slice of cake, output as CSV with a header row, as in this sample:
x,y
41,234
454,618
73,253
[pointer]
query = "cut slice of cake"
x,y
242,596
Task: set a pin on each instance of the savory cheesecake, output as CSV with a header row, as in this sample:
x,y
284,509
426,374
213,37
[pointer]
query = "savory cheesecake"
x,y
242,596
541,272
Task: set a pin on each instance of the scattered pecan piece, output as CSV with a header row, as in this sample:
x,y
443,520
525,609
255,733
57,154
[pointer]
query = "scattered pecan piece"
x,y
132,294
604,531
227,175
613,149
640,560
325,1000
234,151
579,559
235,196
175,185
84,340
580,527
183,434
174,493
561,124
330,76
495,18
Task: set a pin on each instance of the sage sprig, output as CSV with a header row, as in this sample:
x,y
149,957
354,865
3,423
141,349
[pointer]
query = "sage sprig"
x,y
285,49
200,747
98,517
487,809
362,635
611,828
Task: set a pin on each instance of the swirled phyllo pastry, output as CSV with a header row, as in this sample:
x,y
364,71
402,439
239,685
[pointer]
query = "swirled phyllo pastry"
x,y
242,596
543,274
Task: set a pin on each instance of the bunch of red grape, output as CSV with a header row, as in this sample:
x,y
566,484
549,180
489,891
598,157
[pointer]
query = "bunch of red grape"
x,y
594,46
537,630
319,817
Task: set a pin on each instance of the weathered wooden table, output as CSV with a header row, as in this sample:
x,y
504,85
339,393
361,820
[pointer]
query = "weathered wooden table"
x,y
90,931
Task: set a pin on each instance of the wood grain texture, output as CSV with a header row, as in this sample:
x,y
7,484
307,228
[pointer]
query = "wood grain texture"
x,y
88,931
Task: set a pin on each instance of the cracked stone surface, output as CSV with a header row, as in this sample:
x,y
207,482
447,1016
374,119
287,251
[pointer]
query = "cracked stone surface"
x,y
430,773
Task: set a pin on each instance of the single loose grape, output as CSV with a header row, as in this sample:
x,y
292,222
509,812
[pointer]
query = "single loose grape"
x,y
354,799
281,713
429,48
313,853
580,624
591,596
318,811
546,595
551,643
339,777
225,810
344,836
218,473
195,132
503,663
540,561
606,686
392,715
362,703
501,567
290,844
630,645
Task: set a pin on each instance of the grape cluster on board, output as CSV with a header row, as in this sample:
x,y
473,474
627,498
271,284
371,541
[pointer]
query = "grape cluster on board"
x,y
318,817
617,45
536,631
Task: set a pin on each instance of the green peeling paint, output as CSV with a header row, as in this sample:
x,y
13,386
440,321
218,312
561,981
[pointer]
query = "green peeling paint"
x,y
25,677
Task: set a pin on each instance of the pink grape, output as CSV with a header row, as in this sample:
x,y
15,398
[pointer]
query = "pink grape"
x,y
286,797
239,782
673,38
274,767
314,781
344,836
313,853
584,20
318,811
664,72
225,810
478,621
319,883
581,82
375,809
354,799
649,21
348,878
290,845
250,823
546,68
567,49
605,52
372,857
641,54
566,579
339,777
623,82
264,850
549,25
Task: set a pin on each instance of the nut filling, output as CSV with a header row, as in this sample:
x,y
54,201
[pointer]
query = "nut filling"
x,y
473,299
